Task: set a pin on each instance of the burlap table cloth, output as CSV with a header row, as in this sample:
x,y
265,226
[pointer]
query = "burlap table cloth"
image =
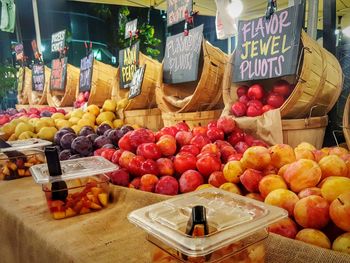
x,y
29,234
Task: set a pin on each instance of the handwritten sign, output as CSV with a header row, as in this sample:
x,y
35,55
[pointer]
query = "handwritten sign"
x,y
182,56
58,41
19,52
130,28
38,77
177,9
128,63
58,73
268,49
35,49
136,83
85,77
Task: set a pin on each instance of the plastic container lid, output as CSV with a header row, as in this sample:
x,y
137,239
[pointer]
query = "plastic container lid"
x,y
233,218
25,144
73,169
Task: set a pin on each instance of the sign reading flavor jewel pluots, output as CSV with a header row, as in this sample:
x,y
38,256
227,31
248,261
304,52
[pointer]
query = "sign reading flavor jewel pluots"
x,y
182,56
268,48
128,64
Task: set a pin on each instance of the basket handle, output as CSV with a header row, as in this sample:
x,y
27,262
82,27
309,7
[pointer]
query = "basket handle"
x,y
307,120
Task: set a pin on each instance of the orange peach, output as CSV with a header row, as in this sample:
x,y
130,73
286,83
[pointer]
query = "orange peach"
x,y
281,154
305,145
312,212
342,243
285,227
271,182
256,157
310,191
283,169
319,154
340,151
314,237
340,211
282,198
232,171
334,186
346,159
230,187
255,196
304,154
302,174
333,165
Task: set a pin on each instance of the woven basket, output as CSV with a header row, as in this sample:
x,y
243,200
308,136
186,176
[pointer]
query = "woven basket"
x,y
346,122
201,95
199,118
40,98
147,98
318,85
149,118
66,97
24,87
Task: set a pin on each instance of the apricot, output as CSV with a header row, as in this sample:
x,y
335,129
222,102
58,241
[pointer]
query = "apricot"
x,y
281,154
310,191
285,227
302,174
282,198
304,154
342,243
314,237
340,211
346,159
333,165
282,170
271,182
305,145
256,157
319,154
334,186
232,171
230,187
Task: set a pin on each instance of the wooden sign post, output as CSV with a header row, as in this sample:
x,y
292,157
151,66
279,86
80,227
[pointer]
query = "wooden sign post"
x,y
177,10
128,64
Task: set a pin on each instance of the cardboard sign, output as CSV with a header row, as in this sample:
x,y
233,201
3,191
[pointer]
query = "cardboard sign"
x,y
177,9
58,41
128,64
38,77
182,56
19,52
131,28
58,73
268,49
85,77
136,83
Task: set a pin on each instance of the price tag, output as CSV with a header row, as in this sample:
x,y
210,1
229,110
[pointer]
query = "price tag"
x,y
136,83
58,41
128,64
38,77
19,52
86,67
58,73
176,10
130,29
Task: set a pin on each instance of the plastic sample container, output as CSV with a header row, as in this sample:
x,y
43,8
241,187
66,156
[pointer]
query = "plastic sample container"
x,y
85,186
236,228
32,143
18,166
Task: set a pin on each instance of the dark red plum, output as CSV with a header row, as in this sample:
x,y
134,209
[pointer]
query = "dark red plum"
x,y
46,114
66,140
82,145
68,129
86,130
126,128
92,137
65,155
100,141
102,129
58,136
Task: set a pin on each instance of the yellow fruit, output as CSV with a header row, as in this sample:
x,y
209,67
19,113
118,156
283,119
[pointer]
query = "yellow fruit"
x,y
122,104
109,105
9,129
47,133
118,123
57,115
24,118
33,121
23,127
68,116
50,122
77,113
89,116
76,128
63,124
16,121
26,135
13,137
40,124
105,116
85,122
109,123
136,126
95,110
74,120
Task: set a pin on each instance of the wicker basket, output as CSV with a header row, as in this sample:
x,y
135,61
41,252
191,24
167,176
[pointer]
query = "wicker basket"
x,y
346,122
40,98
319,83
149,118
311,130
203,94
24,85
146,99
66,97
199,118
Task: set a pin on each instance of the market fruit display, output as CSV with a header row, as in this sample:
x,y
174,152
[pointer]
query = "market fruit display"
x,y
82,99
255,100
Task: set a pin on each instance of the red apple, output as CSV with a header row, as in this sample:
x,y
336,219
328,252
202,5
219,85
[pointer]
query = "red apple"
x,y
167,145
211,148
172,130
256,103
149,167
141,136
167,185
251,179
221,144
235,157
226,153
125,159
282,88
199,130
275,100
242,90
135,183
239,109
120,177
266,108
148,182
253,111
217,179
184,161
116,156
208,164
149,151
135,164
182,126
212,124
215,134
192,149
226,124
124,143
235,137
248,139
256,92
244,99
165,167
200,141
285,227
183,137
190,180
241,147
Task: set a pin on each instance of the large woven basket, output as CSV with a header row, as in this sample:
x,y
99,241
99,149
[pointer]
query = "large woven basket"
x,y
147,98
149,118
201,95
24,85
66,97
40,98
318,83
346,122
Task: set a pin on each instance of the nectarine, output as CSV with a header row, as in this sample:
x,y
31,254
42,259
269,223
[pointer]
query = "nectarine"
x,y
271,182
333,165
314,237
281,154
282,198
340,211
256,157
333,186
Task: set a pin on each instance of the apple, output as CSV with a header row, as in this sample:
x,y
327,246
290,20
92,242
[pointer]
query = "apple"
x,y
124,143
212,148
235,137
217,179
116,156
241,147
183,137
314,237
242,90
184,161
267,108
309,191
149,167
135,183
275,100
192,149
200,141
256,92
215,134
149,151
148,182
167,185
340,211
172,130
226,124
167,145
256,103
125,159
235,157
221,144
251,179
208,164
120,177
342,243
141,136
212,124
248,139
135,164
231,187
285,227
190,180
244,99
239,109
182,126
165,167
199,130
282,88
253,111
227,152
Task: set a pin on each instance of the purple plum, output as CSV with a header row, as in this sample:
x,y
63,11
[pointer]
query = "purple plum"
x,y
65,155
68,129
92,137
86,130
82,145
126,128
100,141
102,129
46,113
58,136
66,140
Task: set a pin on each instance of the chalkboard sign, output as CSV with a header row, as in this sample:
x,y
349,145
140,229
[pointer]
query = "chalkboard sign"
x,y
35,49
176,10
268,48
182,56
58,41
38,77
58,73
130,28
136,83
19,52
86,64
128,63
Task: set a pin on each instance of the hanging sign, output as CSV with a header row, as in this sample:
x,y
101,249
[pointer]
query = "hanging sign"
x,y
128,64
130,29
58,41
268,48
19,52
38,77
58,73
35,50
177,10
85,78
136,83
182,56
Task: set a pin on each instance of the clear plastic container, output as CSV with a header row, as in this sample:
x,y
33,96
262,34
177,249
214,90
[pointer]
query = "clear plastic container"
x,y
83,186
237,227
18,167
20,145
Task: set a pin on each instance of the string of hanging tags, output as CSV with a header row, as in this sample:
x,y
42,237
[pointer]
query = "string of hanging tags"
x,y
271,8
